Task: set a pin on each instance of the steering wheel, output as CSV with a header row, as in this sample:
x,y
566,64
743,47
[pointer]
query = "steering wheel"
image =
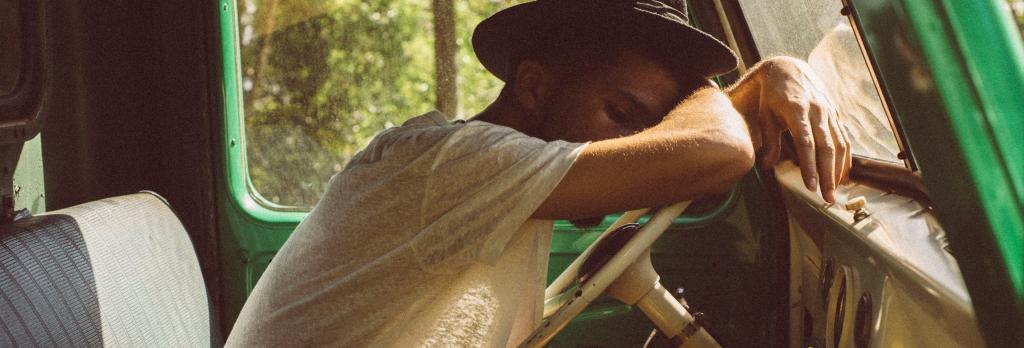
x,y
619,264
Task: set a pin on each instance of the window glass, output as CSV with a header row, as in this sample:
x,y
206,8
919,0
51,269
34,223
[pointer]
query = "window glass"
x,y
817,32
10,46
321,78
1017,8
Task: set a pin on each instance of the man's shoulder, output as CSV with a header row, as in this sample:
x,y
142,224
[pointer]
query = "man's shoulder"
x,y
433,118
415,137
426,130
434,129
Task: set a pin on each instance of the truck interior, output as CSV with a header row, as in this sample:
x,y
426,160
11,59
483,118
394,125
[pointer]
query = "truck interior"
x,y
156,154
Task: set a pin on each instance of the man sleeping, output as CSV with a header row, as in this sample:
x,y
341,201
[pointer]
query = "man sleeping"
x,y
437,233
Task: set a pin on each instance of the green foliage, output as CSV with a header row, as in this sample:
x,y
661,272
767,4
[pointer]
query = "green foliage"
x,y
320,79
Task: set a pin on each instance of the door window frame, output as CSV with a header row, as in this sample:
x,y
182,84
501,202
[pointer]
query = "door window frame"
x,y
17,109
749,52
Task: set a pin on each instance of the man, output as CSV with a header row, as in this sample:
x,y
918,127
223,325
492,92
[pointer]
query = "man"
x,y
437,233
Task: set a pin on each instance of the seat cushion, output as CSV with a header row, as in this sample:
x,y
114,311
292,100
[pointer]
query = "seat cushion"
x,y
47,289
147,288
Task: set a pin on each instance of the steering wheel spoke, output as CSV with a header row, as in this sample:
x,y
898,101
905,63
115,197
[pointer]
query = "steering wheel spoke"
x,y
619,264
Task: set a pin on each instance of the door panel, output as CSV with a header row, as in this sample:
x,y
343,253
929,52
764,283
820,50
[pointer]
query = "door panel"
x,y
947,67
896,258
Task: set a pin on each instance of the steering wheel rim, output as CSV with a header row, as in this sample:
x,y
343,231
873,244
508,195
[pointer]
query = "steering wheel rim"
x,y
572,303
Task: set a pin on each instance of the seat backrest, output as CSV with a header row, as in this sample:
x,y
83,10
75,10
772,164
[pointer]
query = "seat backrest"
x,y
115,272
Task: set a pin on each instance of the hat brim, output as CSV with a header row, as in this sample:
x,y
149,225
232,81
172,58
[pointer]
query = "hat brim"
x,y
495,39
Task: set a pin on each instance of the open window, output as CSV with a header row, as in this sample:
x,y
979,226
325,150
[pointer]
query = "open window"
x,y
821,33
320,79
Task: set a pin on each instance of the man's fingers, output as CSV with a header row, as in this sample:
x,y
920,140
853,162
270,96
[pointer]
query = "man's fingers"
x,y
803,140
849,154
842,149
771,137
849,157
825,150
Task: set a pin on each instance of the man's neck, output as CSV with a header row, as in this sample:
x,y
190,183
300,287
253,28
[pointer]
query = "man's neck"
x,y
504,113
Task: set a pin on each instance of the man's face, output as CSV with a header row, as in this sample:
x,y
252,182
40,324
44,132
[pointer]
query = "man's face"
x,y
623,96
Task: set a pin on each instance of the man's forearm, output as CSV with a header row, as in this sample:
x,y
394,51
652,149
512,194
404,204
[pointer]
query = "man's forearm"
x,y
702,147
709,110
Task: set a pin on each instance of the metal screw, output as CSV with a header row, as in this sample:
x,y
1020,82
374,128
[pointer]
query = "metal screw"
x,y
860,215
17,189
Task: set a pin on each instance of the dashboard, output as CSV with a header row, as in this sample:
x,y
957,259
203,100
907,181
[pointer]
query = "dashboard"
x,y
878,277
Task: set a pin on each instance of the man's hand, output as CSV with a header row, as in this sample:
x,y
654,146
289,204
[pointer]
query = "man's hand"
x,y
782,94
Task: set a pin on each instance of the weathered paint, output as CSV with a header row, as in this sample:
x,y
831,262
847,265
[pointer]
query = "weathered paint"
x,y
28,178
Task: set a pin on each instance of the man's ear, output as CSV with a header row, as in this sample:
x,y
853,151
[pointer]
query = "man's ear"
x,y
532,83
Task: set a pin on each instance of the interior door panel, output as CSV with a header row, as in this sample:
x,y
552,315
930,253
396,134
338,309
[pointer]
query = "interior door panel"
x,y
879,280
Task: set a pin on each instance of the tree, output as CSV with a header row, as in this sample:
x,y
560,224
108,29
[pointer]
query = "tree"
x,y
320,79
445,51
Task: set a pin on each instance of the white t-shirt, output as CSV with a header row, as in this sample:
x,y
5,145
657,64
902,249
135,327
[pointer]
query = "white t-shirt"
x,y
425,239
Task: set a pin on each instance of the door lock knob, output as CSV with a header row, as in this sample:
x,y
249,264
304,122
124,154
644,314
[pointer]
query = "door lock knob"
x,y
858,205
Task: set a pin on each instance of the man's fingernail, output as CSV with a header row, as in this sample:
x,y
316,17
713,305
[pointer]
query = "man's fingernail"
x,y
812,184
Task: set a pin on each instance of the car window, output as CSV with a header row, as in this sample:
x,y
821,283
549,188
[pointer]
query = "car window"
x,y
1017,9
10,41
817,32
320,79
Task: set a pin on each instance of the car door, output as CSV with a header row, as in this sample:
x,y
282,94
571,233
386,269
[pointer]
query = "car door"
x,y
923,247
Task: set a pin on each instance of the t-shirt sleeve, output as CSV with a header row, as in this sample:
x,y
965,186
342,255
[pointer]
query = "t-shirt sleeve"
x,y
485,182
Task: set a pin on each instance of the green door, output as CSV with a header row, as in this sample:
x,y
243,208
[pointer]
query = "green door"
x,y
954,71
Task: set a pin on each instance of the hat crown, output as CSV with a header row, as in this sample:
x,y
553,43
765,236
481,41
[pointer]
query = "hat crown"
x,y
674,10
542,25
671,9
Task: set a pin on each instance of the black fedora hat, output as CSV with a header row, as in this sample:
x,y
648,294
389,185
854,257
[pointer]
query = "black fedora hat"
x,y
499,40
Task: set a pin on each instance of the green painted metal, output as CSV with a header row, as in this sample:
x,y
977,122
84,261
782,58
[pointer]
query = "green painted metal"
x,y
28,178
250,231
952,71
973,123
990,42
989,38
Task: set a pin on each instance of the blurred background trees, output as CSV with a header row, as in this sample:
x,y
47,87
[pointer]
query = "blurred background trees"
x,y
321,78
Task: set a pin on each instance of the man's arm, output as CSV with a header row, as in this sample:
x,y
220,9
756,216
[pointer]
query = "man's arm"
x,y
701,147
704,145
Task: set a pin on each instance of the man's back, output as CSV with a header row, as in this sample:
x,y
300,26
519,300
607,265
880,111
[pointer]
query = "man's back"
x,y
422,239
